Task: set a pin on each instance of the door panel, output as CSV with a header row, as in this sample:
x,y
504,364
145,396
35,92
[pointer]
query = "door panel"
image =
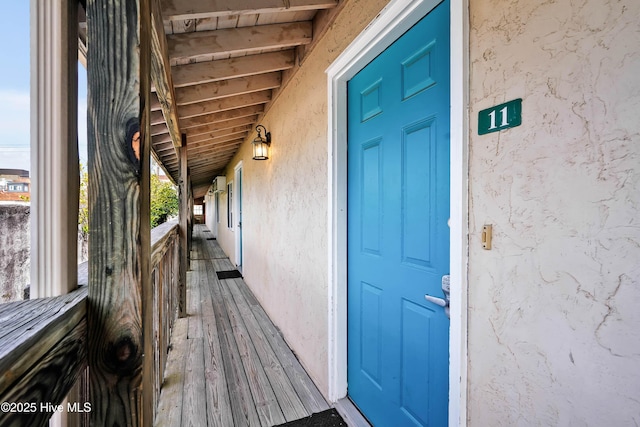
x,y
398,238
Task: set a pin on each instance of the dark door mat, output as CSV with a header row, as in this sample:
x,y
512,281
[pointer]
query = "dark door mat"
x,y
229,274
206,231
328,418
211,238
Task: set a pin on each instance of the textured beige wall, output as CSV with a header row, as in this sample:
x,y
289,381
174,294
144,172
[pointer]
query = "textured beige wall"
x,y
285,201
554,336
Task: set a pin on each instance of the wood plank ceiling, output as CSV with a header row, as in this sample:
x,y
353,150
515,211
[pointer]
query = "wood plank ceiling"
x,y
223,62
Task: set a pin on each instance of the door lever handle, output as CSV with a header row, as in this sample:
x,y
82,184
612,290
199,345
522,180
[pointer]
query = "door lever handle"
x,y
442,302
437,301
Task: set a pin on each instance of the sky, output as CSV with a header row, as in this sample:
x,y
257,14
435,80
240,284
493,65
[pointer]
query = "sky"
x,y
14,89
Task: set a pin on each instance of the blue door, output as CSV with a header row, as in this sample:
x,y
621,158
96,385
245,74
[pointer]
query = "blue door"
x,y
239,235
398,237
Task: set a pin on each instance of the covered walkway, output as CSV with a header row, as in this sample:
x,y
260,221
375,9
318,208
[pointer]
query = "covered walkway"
x,y
228,365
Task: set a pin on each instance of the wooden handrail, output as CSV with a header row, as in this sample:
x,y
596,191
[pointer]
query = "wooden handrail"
x,y
43,342
43,352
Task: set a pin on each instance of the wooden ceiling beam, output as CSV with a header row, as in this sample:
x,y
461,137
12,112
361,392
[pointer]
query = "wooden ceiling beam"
x,y
155,102
215,127
211,71
159,129
216,147
196,154
222,139
157,117
163,137
227,88
206,174
163,149
219,159
223,116
219,134
161,73
196,9
201,46
203,109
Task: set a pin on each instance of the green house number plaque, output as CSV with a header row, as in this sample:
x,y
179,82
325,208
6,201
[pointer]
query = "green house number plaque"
x,y
500,117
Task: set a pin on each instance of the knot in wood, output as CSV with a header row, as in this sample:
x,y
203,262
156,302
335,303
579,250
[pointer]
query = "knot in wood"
x,y
123,356
132,142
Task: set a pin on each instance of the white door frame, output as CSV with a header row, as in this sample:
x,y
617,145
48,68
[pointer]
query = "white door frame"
x,y
237,207
394,20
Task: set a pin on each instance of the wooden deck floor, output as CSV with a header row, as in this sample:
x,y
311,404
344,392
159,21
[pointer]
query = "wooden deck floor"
x,y
228,365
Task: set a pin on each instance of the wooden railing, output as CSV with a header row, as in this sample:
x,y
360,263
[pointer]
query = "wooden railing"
x,y
165,275
43,342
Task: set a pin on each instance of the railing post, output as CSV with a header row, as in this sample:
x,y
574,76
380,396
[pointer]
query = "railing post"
x,y
119,301
183,228
54,155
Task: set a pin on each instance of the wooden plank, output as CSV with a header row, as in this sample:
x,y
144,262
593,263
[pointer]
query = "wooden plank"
x,y
247,20
219,412
220,126
193,308
211,71
140,257
205,111
223,264
231,87
279,17
306,389
48,381
242,406
155,102
228,150
194,404
164,148
170,405
117,74
161,73
227,21
217,155
183,26
30,329
235,132
206,24
263,396
165,137
183,230
202,45
194,9
157,117
214,148
221,117
161,240
322,22
286,394
158,129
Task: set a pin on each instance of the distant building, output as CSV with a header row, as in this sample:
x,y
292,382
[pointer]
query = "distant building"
x,y
15,185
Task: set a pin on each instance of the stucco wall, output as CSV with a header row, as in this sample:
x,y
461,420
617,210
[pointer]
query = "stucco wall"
x,y
285,201
14,251
553,307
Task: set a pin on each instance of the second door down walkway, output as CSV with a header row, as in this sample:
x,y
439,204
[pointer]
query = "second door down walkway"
x,y
228,365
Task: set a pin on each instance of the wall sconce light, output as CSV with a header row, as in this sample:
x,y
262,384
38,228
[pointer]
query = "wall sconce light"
x,y
261,145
